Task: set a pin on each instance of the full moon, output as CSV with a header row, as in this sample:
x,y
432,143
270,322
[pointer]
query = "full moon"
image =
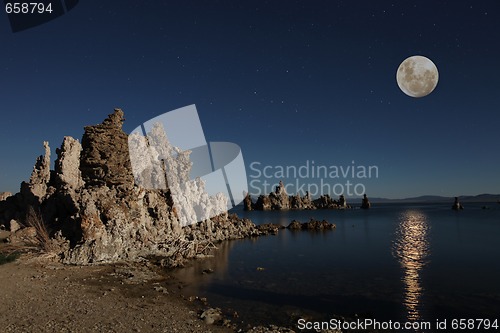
x,y
417,76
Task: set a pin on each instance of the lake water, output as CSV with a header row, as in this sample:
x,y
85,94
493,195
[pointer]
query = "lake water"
x,y
392,262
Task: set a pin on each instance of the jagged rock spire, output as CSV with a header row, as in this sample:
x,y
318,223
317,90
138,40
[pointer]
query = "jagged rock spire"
x,y
105,155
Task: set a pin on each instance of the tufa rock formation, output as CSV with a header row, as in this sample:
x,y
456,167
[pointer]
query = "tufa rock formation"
x,y
365,203
342,202
157,164
67,166
247,202
280,200
457,205
40,176
105,156
277,200
93,212
4,195
311,225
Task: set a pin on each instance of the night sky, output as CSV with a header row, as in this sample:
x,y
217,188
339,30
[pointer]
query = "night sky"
x,y
289,82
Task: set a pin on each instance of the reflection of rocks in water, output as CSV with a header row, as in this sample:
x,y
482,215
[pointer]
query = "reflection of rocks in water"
x,y
411,249
280,291
201,272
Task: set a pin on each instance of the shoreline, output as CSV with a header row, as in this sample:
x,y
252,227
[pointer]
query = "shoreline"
x,y
52,297
43,295
103,298
33,284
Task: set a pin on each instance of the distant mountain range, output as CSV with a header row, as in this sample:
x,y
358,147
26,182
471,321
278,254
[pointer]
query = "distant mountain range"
x,y
437,198
427,199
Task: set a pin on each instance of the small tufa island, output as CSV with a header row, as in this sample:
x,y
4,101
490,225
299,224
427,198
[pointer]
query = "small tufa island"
x,y
457,205
280,200
365,203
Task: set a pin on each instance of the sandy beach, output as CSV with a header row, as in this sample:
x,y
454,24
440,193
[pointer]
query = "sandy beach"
x,y
40,295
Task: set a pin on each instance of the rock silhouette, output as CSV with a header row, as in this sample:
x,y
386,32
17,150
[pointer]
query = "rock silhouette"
x,y
457,205
365,203
280,200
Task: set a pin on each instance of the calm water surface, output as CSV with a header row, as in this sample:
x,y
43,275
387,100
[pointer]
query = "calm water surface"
x,y
397,262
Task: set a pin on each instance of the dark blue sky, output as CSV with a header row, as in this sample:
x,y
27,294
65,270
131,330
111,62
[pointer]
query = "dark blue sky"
x,y
289,82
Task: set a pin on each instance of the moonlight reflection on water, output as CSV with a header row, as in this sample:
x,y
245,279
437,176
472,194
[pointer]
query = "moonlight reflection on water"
x,y
376,262
411,249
